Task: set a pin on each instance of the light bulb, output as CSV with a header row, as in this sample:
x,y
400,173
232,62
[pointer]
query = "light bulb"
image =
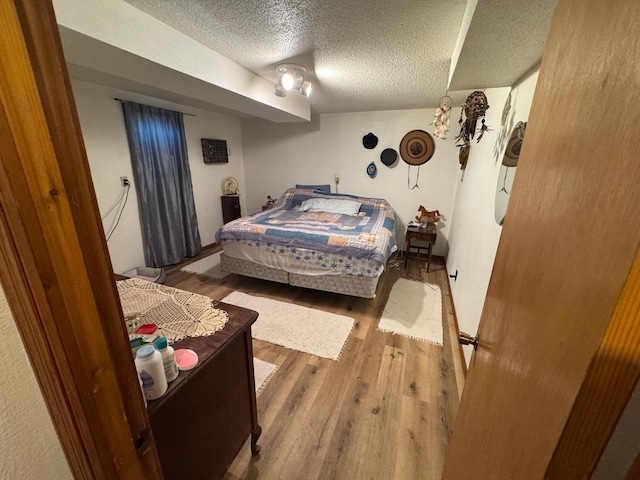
x,y
287,81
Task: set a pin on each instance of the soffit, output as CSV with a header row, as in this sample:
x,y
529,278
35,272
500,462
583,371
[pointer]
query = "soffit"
x,y
361,55
504,41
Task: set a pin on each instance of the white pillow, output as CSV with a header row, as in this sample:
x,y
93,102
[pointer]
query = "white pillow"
x,y
327,205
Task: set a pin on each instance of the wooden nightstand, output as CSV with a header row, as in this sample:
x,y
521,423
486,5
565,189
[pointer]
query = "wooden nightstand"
x,y
230,208
419,242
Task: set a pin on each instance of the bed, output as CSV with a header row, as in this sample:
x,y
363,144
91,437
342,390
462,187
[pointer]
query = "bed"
x,y
309,238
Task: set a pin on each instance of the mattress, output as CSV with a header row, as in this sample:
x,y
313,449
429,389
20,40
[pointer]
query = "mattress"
x,y
302,261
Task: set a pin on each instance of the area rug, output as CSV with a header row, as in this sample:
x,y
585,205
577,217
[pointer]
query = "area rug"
x,y
299,328
414,309
262,373
207,266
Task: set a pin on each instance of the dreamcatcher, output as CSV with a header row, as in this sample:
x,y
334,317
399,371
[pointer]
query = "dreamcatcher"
x,y
475,107
441,118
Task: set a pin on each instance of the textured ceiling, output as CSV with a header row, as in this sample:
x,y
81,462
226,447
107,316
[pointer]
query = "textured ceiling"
x,y
504,40
362,55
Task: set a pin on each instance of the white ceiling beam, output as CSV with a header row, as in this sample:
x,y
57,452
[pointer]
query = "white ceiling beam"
x,y
113,40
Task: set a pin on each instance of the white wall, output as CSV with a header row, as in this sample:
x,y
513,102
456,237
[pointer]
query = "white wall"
x,y
29,447
474,231
279,156
105,139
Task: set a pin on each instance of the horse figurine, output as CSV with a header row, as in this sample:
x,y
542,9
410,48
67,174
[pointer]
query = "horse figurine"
x,y
426,216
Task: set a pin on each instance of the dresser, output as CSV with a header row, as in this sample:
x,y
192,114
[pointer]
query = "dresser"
x,y
208,412
230,207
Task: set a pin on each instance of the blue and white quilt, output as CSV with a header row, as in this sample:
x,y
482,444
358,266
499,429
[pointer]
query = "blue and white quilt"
x,y
370,234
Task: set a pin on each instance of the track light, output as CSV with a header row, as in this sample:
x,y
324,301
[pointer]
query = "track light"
x,y
291,77
280,91
305,90
287,81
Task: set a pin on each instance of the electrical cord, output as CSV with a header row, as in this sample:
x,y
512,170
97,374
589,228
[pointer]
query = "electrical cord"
x,y
119,214
115,203
395,260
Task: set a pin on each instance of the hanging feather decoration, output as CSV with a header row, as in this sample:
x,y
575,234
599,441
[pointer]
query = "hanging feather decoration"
x,y
475,107
441,118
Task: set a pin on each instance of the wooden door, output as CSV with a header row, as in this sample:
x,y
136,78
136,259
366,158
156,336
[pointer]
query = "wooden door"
x,y
54,265
559,348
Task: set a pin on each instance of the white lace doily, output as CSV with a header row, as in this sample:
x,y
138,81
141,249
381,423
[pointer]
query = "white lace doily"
x,y
177,313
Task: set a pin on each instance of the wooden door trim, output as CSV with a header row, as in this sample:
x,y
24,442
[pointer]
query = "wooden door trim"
x,y
608,385
54,263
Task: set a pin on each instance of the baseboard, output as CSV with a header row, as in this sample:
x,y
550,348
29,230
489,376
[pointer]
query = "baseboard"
x,y
455,320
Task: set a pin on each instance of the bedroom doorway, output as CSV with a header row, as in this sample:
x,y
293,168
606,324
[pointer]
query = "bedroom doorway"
x,y
54,266
64,275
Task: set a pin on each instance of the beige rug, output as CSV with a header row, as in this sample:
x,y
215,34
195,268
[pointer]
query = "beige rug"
x,y
207,266
299,328
414,309
262,372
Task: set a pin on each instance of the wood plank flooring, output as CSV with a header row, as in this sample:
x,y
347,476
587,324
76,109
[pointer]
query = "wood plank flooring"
x,y
384,410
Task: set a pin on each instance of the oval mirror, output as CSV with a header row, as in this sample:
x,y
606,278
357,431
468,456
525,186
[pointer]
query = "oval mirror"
x,y
508,170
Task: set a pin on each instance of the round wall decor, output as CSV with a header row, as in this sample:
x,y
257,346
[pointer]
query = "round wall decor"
x,y
372,170
369,141
388,156
417,147
512,153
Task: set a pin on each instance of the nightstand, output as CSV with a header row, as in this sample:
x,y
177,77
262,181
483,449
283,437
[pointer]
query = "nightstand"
x,y
230,208
419,242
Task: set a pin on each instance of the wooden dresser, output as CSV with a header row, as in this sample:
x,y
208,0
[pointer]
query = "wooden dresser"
x,y
208,412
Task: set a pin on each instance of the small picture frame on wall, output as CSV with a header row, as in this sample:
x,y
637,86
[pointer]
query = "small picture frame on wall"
x,y
214,151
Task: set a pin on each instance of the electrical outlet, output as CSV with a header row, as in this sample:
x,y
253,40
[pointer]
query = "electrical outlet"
x,y
124,181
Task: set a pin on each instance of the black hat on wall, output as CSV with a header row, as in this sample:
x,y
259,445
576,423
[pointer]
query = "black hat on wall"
x,y
369,141
388,156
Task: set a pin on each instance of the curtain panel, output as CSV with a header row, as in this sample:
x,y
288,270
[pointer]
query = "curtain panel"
x,y
163,184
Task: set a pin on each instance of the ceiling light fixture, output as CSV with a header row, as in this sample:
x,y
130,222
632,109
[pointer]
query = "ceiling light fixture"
x,y
291,77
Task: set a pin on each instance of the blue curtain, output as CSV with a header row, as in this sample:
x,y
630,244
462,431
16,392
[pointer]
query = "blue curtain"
x,y
163,184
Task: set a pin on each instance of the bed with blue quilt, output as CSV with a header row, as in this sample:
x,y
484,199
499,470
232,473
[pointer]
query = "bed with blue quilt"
x,y
309,238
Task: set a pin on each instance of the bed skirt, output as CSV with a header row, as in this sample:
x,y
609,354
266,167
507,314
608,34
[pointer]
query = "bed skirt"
x,y
344,284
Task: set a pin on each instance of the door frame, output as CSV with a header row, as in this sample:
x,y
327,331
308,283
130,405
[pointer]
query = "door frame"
x,y
54,263
608,348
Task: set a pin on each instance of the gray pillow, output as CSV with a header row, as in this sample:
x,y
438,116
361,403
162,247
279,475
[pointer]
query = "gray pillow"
x,y
342,207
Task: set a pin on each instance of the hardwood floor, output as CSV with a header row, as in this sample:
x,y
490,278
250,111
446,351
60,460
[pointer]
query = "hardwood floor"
x,y
384,410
